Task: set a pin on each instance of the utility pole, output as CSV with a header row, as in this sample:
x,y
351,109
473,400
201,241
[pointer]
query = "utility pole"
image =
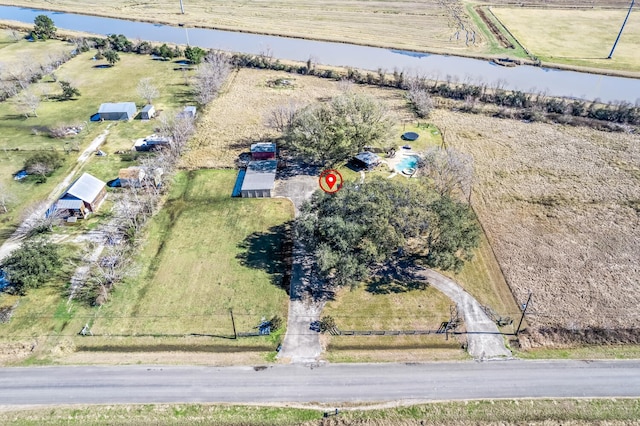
x,y
233,322
524,311
181,7
621,29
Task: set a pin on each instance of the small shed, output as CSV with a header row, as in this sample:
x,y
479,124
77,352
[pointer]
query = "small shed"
x,y
259,180
148,112
188,111
83,196
117,111
131,177
263,151
366,160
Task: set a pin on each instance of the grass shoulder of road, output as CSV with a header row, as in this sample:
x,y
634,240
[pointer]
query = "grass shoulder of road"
x,y
205,254
492,412
576,37
583,352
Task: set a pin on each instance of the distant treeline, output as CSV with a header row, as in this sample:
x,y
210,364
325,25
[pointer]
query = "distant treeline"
x,y
467,97
512,104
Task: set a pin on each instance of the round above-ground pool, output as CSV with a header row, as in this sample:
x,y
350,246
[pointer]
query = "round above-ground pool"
x,y
410,136
408,162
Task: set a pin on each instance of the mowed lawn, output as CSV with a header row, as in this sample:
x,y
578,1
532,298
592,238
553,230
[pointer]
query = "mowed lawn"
x,y
16,51
206,253
21,136
576,37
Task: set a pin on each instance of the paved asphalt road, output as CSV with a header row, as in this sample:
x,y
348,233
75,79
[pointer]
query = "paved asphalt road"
x,y
329,383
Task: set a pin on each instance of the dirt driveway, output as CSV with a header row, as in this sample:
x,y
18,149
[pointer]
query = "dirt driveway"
x,y
15,240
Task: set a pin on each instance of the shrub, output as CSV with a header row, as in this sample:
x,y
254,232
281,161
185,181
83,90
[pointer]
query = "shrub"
x,y
43,163
31,265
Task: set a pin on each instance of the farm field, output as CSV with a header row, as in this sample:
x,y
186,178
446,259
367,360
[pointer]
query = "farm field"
x,y
581,37
406,24
560,206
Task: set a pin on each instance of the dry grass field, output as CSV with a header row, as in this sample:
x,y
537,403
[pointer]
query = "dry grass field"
x,y
561,206
406,24
576,37
238,117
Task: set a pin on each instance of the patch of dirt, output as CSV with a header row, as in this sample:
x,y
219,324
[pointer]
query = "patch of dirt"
x,y
12,352
494,29
557,204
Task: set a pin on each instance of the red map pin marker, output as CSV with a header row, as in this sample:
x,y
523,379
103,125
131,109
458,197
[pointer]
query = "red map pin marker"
x,y
331,180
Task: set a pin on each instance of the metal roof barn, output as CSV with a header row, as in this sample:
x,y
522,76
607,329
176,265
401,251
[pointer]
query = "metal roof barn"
x,y
259,179
117,111
86,188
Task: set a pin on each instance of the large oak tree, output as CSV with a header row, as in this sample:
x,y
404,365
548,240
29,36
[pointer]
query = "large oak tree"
x,y
365,225
328,133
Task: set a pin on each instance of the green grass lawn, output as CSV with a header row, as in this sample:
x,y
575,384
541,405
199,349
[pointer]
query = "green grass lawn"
x,y
43,313
15,53
205,253
508,412
96,86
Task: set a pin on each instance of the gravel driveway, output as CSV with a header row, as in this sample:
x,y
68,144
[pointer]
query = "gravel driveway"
x,y
302,345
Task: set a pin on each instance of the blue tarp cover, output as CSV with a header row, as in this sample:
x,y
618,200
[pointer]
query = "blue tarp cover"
x,y
237,189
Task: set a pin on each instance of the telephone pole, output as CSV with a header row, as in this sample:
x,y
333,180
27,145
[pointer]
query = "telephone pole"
x,y
233,322
181,7
621,29
524,311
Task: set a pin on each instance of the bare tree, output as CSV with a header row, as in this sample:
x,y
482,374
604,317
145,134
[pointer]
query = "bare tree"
x,y
419,97
37,219
20,76
5,199
210,76
107,271
345,85
147,90
179,129
281,117
450,170
27,103
40,169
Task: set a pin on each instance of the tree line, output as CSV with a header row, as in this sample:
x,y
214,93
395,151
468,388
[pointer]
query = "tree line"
x,y
511,104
